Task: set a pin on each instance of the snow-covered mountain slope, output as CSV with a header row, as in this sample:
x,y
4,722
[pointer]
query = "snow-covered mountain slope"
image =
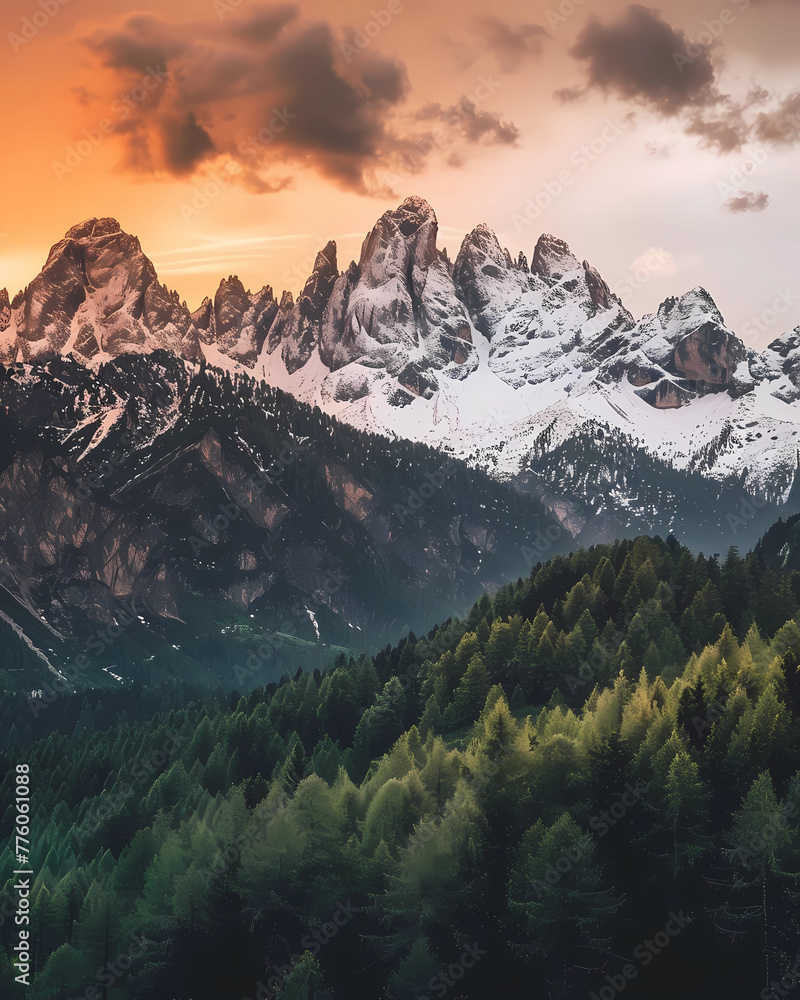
x,y
554,352
486,358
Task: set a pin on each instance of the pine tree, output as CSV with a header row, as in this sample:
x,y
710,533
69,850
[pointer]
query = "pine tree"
x,y
410,978
470,695
302,981
500,645
762,870
604,576
558,892
686,813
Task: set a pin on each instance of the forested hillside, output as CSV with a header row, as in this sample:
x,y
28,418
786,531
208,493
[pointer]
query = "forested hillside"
x,y
170,505
590,785
780,546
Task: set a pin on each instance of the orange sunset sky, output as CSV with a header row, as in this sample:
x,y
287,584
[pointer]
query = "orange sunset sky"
x,y
622,129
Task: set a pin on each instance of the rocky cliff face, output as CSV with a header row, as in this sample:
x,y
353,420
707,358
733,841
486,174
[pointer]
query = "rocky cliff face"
x,y
5,310
559,313
307,325
236,322
705,350
395,316
488,282
93,552
151,485
781,363
666,394
708,355
682,352
97,295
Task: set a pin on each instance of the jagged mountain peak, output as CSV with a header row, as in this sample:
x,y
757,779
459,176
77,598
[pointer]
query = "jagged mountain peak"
x,y
487,279
415,207
695,304
96,247
482,238
405,327
328,253
787,343
324,273
482,241
408,218
93,228
410,228
240,320
97,295
232,281
552,258
396,312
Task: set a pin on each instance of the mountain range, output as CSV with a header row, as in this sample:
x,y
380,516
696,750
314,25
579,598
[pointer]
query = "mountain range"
x,y
451,423
474,356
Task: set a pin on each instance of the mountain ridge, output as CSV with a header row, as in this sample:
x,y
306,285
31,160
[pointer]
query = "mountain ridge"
x,y
464,355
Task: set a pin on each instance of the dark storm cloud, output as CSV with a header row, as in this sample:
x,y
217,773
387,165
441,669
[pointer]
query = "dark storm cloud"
x,y
143,41
269,90
509,43
385,80
724,132
641,58
747,201
228,80
263,24
644,59
568,95
185,144
781,125
471,122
